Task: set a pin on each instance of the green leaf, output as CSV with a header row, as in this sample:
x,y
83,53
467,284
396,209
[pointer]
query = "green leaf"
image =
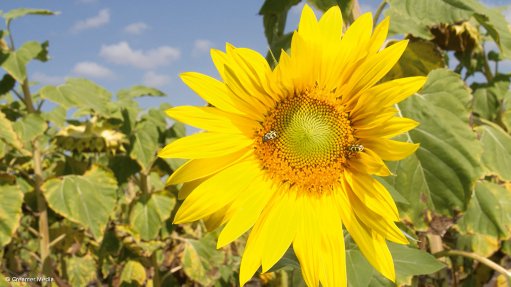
x,y
133,274
7,133
489,211
80,270
410,261
10,212
56,116
497,150
88,200
16,61
419,58
486,103
6,84
29,128
274,14
139,91
200,259
20,12
440,176
149,213
81,93
144,145
359,271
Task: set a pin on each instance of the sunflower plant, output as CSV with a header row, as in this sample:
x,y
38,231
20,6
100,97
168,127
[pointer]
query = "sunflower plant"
x,y
364,149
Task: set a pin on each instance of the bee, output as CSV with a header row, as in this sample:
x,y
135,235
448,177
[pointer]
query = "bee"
x,y
271,135
356,148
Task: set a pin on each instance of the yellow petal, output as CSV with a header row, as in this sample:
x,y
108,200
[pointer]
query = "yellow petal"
x,y
372,245
373,195
330,24
279,225
188,187
384,227
375,67
388,129
205,145
386,94
199,168
208,198
212,91
368,162
389,149
213,119
254,199
307,244
379,36
308,25
319,243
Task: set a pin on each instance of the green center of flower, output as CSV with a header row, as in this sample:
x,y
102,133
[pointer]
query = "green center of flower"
x,y
304,141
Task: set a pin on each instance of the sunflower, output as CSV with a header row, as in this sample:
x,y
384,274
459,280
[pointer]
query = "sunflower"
x,y
290,152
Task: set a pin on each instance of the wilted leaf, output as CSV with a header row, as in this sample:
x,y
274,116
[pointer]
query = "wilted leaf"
x,y
80,270
201,259
489,211
149,213
87,200
16,61
7,133
417,17
441,174
497,149
419,58
10,212
133,273
139,91
482,244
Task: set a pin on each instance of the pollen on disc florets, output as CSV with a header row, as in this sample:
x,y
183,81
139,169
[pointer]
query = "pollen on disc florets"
x,y
304,140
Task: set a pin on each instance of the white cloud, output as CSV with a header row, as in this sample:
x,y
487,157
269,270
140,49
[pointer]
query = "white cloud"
x,y
153,79
122,54
92,70
47,79
201,46
99,20
507,14
136,28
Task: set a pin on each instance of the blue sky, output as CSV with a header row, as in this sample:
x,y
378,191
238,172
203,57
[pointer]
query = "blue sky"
x,y
119,44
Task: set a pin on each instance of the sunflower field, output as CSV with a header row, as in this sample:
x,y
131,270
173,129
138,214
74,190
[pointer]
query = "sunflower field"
x,y
364,149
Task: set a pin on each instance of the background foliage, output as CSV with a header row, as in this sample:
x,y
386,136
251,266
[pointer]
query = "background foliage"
x,y
83,195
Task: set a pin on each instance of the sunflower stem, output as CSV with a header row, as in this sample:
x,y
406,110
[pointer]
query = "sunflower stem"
x,y
476,257
378,12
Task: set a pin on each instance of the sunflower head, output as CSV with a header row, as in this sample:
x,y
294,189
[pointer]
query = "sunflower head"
x,y
290,152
